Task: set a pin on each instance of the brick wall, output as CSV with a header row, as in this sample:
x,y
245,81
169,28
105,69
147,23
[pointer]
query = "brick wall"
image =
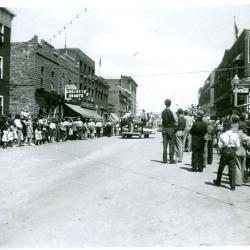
x,y
22,72
39,75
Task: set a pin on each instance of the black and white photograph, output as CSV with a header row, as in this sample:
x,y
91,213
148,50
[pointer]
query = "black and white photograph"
x,y
124,124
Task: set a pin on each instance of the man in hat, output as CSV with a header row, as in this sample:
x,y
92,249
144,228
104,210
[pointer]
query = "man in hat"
x,y
168,132
198,131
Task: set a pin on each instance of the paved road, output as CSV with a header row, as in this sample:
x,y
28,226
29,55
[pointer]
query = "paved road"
x,y
114,192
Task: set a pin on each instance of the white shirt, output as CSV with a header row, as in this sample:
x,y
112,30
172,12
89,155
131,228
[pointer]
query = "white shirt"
x,y
189,121
229,139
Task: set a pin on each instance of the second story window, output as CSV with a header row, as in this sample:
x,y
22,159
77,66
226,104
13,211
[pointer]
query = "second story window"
x,y
52,85
41,81
1,67
1,33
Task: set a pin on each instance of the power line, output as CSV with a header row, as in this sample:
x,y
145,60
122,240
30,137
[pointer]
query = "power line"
x,y
189,72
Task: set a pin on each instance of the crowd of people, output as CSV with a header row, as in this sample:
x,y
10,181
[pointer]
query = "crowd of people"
x,y
228,136
25,129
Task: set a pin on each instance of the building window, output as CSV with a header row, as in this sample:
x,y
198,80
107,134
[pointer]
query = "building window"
x,y
41,82
1,104
42,70
80,85
1,67
85,88
92,93
1,33
52,74
52,85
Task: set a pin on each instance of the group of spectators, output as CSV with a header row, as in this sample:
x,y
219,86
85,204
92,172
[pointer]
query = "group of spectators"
x,y
230,136
24,129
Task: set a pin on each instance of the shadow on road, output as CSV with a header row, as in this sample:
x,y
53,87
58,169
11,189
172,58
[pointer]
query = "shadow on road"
x,y
188,164
185,168
211,184
157,161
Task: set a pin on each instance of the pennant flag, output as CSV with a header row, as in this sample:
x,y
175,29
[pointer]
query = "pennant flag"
x,y
100,62
236,30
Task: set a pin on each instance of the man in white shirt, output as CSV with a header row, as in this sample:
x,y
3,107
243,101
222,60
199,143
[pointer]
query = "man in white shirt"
x,y
186,135
229,141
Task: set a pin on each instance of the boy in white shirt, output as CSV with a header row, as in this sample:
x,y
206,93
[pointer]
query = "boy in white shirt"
x,y
229,141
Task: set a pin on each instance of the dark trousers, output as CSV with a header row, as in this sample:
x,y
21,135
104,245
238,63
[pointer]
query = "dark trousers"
x,y
198,145
228,157
168,135
209,151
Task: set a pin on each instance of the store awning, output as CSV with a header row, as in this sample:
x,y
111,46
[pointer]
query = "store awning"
x,y
86,113
114,117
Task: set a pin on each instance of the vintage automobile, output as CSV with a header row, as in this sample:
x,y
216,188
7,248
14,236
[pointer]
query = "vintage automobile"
x,y
131,126
135,126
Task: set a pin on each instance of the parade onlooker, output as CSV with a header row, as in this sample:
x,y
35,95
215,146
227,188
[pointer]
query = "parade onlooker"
x,y
198,131
10,136
38,135
5,137
186,133
229,142
19,127
29,132
179,135
79,127
52,130
98,128
168,132
91,126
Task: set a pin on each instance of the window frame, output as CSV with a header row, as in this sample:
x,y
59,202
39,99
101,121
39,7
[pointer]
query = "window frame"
x,y
2,103
1,68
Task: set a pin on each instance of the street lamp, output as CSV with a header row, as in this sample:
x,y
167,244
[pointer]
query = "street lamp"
x,y
235,81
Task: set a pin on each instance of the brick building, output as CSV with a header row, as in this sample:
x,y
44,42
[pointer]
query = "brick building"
x,y
38,75
206,96
5,35
96,88
236,61
122,95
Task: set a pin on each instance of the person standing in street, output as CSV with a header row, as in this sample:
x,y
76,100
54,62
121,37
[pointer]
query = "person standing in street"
x,y
229,142
168,132
179,135
198,131
186,133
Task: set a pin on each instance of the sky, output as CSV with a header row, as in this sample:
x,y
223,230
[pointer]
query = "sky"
x,y
149,41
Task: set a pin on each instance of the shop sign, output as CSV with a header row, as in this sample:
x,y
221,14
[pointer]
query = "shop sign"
x,y
243,91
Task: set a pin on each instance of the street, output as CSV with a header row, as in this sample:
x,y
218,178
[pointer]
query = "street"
x,y
115,192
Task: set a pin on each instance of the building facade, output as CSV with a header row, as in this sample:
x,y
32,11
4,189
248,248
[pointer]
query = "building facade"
x,y
5,35
94,87
38,75
122,95
206,96
235,62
